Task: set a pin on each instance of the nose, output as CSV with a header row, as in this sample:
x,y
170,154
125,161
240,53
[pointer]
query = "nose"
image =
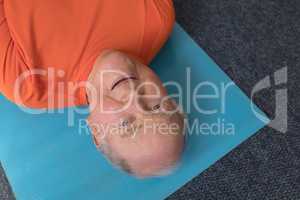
x,y
141,106
138,110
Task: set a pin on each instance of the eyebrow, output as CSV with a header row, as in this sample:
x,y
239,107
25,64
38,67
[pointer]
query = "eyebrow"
x,y
122,80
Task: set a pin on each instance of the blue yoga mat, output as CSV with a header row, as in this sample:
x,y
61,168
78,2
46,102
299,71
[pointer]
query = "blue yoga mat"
x,y
45,159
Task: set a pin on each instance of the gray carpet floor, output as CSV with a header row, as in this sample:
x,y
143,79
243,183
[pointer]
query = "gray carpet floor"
x,y
249,39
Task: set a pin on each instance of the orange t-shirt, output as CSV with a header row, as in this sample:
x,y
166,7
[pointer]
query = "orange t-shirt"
x,y
48,47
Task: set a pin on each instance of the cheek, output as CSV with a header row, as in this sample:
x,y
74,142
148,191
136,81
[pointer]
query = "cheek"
x,y
123,94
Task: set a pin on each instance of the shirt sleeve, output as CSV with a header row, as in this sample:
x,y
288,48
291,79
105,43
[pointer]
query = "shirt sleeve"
x,y
7,56
5,38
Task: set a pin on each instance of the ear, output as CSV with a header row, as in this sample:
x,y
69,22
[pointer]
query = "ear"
x,y
96,142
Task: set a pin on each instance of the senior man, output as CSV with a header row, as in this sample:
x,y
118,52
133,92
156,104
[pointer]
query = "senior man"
x,y
61,53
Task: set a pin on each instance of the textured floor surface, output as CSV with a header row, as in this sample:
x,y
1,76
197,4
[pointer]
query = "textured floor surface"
x,y
249,39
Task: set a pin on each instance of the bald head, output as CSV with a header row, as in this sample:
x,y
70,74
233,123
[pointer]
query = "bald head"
x,y
150,146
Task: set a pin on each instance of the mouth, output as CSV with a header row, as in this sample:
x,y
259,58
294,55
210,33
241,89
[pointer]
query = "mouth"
x,y
122,80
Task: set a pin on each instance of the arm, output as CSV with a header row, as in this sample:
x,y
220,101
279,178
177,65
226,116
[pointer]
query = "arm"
x,y
7,52
5,38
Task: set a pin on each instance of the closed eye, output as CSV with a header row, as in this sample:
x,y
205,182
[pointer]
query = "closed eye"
x,y
118,82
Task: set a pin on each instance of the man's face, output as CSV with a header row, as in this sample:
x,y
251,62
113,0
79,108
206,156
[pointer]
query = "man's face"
x,y
132,113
